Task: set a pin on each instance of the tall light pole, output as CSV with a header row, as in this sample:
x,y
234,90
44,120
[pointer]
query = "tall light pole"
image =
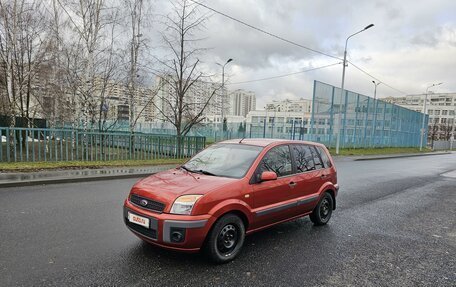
x,y
453,133
342,86
223,90
375,112
424,114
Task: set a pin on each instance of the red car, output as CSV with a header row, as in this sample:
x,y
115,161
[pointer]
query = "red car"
x,y
231,189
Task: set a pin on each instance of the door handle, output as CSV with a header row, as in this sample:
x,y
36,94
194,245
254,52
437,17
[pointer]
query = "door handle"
x,y
323,176
292,184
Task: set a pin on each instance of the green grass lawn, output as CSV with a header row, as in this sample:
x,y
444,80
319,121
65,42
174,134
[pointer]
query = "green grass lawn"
x,y
35,166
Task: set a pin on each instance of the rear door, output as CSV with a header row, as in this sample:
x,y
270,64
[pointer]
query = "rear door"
x,y
307,177
271,198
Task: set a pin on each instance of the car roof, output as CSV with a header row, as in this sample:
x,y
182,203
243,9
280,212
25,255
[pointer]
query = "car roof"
x,y
265,142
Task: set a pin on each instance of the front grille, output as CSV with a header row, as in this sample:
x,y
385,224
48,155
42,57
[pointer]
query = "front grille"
x,y
150,233
151,204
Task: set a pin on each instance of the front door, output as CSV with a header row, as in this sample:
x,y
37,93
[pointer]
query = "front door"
x,y
272,198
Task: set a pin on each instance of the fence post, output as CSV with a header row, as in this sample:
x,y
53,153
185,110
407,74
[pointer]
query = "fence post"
x,y
8,144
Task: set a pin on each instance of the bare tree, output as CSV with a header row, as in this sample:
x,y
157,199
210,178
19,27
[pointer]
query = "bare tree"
x,y
447,129
433,131
182,73
135,10
90,52
23,43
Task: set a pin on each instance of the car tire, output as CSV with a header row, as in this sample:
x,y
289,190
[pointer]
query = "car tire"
x,y
225,240
323,211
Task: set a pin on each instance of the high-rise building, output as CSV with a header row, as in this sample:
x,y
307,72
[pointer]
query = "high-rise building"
x,y
201,95
241,102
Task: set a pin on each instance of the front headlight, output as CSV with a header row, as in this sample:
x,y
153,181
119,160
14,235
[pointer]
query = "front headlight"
x,y
184,204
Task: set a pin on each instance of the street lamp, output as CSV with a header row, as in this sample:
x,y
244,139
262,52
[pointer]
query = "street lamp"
x,y
453,133
375,112
223,89
343,82
424,114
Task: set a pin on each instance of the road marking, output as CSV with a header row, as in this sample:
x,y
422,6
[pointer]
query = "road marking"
x,y
449,174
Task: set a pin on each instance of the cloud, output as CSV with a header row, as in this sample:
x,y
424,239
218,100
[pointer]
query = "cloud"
x,y
411,45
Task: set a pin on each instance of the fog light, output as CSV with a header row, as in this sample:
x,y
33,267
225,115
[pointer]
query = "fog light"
x,y
177,234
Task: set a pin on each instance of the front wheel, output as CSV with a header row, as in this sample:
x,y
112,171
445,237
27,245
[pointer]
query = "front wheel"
x,y
226,238
322,212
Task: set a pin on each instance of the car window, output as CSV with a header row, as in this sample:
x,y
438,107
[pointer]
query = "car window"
x,y
316,158
230,160
324,157
303,158
278,160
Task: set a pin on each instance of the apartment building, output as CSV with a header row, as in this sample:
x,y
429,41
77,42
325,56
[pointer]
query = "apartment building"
x,y
441,108
292,106
241,102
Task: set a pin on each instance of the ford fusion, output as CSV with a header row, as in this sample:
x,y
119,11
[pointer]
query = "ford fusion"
x,y
232,189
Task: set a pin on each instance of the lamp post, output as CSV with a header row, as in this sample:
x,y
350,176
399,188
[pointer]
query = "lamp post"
x,y
375,112
223,90
424,114
343,82
453,133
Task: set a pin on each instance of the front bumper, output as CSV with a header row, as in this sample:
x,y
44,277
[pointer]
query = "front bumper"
x,y
165,228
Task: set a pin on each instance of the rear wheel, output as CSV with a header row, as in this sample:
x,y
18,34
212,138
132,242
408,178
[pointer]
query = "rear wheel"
x,y
323,211
226,238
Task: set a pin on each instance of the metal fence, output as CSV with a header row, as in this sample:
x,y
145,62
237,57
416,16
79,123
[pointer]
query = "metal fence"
x,y
444,145
32,144
365,122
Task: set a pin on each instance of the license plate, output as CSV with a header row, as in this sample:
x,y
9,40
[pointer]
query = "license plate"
x,y
143,221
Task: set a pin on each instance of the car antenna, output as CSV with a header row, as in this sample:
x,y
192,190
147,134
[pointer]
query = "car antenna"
x,y
241,140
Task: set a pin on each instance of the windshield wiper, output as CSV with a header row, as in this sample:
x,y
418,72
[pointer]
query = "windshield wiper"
x,y
198,171
185,168
205,172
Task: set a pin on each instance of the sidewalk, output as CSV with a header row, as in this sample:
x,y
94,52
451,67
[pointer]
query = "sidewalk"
x,y
388,156
66,176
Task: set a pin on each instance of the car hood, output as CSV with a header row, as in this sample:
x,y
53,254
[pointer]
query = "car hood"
x,y
168,185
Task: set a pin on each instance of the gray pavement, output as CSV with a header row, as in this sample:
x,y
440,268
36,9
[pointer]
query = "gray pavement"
x,y
395,225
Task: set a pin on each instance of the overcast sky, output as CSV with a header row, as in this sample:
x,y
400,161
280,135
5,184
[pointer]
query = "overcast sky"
x,y
412,45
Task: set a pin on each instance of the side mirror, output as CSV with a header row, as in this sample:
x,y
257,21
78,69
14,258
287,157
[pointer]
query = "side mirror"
x,y
268,175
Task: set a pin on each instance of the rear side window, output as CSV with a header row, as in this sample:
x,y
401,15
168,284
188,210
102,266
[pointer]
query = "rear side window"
x,y
316,158
278,160
303,157
324,157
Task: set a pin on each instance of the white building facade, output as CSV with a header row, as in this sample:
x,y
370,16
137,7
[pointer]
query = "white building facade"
x,y
281,119
441,108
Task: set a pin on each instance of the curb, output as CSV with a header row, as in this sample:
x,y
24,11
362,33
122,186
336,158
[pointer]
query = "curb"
x,y
400,156
71,179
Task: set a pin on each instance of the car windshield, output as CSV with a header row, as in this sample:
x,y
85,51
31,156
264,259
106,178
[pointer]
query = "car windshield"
x,y
230,160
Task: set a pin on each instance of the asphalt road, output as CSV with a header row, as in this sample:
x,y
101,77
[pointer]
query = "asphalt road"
x,y
395,225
